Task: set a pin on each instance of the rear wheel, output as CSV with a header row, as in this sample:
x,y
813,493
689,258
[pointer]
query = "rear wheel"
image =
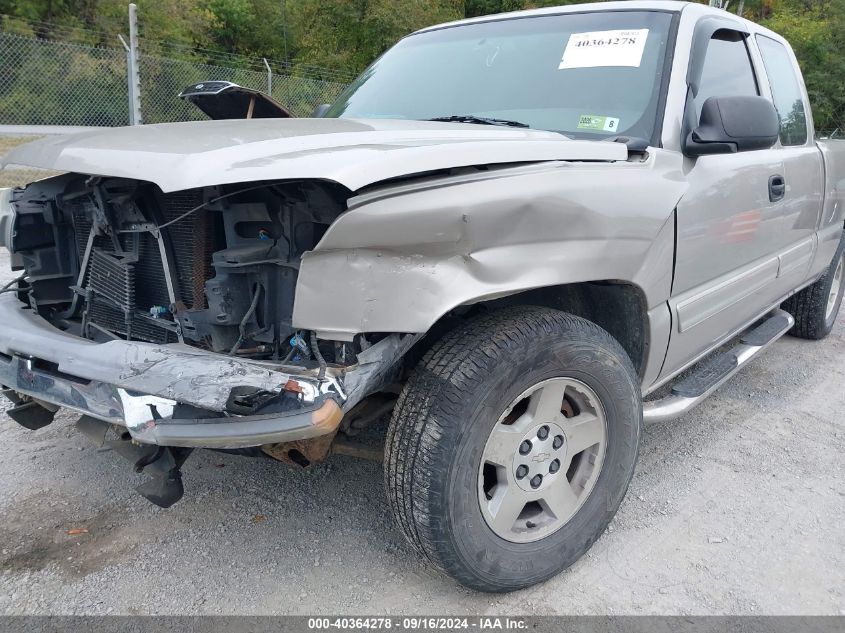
x,y
512,446
816,307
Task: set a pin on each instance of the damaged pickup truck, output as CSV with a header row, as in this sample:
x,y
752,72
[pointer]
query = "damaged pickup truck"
x,y
522,235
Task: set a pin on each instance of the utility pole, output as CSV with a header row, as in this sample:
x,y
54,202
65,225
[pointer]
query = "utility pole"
x,y
285,29
269,77
133,78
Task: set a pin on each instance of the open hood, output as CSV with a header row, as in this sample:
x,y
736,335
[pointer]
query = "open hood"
x,y
353,153
225,100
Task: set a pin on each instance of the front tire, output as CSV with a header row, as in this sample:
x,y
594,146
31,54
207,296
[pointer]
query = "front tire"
x,y
512,446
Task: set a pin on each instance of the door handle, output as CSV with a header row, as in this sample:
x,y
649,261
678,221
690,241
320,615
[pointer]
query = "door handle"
x,y
777,188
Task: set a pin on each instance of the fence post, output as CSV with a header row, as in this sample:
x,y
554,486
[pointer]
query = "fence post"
x,y
269,77
132,61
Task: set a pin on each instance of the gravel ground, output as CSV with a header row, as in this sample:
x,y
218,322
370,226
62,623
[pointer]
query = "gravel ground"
x,y
735,509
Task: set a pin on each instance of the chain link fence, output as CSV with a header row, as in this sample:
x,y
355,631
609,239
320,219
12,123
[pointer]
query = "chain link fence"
x,y
59,83
836,129
45,82
162,78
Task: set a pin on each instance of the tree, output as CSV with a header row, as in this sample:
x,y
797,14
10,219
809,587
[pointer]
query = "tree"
x,y
816,30
350,34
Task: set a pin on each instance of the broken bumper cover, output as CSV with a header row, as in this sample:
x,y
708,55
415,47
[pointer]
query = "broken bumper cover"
x,y
140,386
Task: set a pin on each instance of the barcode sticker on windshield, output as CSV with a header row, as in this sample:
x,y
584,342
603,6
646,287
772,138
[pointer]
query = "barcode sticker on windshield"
x,y
604,48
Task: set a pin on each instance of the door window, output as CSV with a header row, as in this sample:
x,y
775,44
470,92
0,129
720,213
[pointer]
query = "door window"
x,y
786,91
727,70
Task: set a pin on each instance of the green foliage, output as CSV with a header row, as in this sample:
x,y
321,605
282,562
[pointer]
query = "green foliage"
x,y
349,35
475,8
816,30
92,89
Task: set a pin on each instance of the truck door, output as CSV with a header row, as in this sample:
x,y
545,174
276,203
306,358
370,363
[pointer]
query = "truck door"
x,y
803,174
729,219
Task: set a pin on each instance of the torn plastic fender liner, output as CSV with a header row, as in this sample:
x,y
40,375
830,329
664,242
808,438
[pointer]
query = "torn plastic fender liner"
x,y
377,366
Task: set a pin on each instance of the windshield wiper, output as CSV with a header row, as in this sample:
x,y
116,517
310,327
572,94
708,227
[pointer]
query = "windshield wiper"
x,y
480,120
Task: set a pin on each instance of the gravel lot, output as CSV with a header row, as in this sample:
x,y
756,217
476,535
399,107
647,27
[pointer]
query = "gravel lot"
x,y
737,508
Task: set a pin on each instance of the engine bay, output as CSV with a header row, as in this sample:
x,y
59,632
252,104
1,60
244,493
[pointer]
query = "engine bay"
x,y
215,268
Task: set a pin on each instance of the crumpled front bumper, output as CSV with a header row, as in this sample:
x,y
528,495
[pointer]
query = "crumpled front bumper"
x,y
140,385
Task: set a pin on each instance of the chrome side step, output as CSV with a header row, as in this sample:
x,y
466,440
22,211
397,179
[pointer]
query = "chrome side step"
x,y
712,372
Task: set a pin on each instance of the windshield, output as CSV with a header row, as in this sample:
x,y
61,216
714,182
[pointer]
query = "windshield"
x,y
587,75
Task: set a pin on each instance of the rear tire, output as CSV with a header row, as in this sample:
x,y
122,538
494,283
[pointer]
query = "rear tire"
x,y
467,394
816,307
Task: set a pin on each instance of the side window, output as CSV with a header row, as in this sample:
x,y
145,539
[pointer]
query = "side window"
x,y
727,70
786,91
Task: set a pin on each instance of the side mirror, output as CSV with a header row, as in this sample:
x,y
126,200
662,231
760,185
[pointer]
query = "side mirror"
x,y
320,110
733,124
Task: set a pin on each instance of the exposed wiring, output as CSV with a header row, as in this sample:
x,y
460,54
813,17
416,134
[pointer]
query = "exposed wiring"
x,y
319,356
9,285
197,208
245,320
287,358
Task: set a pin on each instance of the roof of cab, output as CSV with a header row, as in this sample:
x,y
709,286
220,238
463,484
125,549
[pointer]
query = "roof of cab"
x,y
627,5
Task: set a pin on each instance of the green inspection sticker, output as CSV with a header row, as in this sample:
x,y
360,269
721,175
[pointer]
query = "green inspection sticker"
x,y
598,123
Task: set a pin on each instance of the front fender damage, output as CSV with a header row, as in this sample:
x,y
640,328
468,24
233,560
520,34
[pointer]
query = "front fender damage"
x,y
401,258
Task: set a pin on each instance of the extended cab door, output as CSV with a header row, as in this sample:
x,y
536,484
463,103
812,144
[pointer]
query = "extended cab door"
x,y
730,221
803,174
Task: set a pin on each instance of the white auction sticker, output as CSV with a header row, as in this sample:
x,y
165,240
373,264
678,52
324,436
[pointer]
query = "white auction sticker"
x,y
604,48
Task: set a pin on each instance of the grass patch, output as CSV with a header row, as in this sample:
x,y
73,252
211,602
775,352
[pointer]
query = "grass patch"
x,y
21,176
8,142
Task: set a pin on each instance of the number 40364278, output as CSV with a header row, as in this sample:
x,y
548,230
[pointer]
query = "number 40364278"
x,y
614,41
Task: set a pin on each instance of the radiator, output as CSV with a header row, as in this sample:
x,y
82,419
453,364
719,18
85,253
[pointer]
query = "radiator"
x,y
125,289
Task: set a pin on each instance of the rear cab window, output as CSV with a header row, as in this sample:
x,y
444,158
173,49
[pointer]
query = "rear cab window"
x,y
787,95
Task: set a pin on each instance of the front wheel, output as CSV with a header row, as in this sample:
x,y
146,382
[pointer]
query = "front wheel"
x,y
512,446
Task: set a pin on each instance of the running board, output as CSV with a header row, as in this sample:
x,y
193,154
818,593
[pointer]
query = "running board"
x,y
714,371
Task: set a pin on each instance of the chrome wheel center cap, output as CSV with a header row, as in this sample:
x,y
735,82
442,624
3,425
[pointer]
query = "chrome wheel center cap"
x,y
540,457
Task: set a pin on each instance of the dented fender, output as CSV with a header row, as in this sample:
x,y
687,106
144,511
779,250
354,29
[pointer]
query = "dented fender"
x,y
401,257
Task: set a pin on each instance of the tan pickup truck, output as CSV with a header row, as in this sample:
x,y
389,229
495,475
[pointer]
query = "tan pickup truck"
x,y
520,235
